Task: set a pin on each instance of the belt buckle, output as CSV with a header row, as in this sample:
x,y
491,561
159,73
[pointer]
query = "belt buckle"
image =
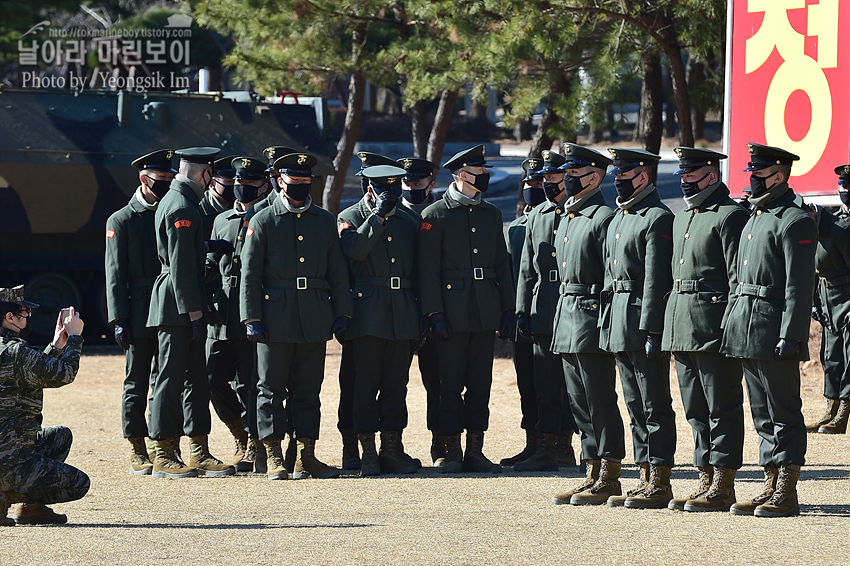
x,y
301,283
677,286
395,282
616,286
563,289
740,290
234,281
553,276
478,273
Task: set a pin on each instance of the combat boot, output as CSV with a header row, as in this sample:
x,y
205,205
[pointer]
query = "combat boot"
x,y
307,465
706,475
783,502
350,450
391,458
720,496
38,514
438,449
5,503
747,508
528,451
829,413
544,459
140,462
565,454
838,424
592,474
274,459
415,462
257,451
657,494
604,488
240,438
453,462
206,464
369,465
474,459
290,454
167,463
619,499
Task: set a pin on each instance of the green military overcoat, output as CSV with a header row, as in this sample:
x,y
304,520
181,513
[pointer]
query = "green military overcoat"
x,y
226,269
516,239
209,212
832,262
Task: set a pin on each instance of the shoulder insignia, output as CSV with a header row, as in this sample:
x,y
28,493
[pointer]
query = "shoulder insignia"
x,y
426,226
250,232
183,224
110,233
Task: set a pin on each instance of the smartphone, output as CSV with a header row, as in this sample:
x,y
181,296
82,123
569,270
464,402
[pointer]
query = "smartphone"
x,y
65,315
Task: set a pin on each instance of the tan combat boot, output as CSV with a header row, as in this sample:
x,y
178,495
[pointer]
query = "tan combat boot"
x,y
829,413
38,514
454,455
783,502
544,459
274,459
438,449
369,464
643,481
392,458
206,464
240,439
592,474
838,424
140,462
167,463
706,475
748,507
474,459
606,487
350,450
415,462
720,496
565,454
5,503
657,494
307,465
531,442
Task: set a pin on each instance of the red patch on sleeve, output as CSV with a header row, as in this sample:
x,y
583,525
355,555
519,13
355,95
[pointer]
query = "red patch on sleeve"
x,y
666,236
183,224
805,241
342,226
110,233
250,232
426,226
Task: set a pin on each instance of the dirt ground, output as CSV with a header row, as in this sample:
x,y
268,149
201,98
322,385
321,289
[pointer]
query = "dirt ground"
x,y
424,518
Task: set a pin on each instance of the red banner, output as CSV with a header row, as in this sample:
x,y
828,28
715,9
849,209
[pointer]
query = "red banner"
x,y
788,86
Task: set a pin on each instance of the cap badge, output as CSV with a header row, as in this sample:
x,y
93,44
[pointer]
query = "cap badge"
x,y
362,156
270,151
545,154
302,159
532,164
246,163
408,163
169,154
391,180
679,152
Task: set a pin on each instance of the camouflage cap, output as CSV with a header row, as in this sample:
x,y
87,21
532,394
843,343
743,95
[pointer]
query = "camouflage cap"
x,y
15,295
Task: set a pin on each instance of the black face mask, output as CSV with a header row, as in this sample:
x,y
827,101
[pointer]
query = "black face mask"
x,y
482,181
364,185
158,187
298,191
573,185
625,187
533,195
247,193
26,330
758,185
415,196
690,188
845,197
552,190
226,192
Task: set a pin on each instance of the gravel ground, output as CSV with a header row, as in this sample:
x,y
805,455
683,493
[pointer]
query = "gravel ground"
x,y
424,518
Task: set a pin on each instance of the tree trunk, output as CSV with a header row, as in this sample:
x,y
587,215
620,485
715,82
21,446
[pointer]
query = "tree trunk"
x,y
696,78
419,127
670,118
334,184
680,86
440,129
650,122
542,140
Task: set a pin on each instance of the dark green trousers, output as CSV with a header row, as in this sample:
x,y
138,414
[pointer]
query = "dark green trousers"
x,y
429,369
646,390
834,357
591,382
524,366
233,381
180,395
466,375
773,387
345,411
138,377
380,384
292,373
553,410
713,398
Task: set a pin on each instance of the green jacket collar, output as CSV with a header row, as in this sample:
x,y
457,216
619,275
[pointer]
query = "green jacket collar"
x,y
452,203
715,199
138,207
280,208
185,188
651,199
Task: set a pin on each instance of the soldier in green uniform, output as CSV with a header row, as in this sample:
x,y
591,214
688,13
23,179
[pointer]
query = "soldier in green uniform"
x,y
32,459
639,245
230,355
768,325
589,371
178,306
523,346
131,268
537,296
832,306
465,281
705,254
380,242
293,296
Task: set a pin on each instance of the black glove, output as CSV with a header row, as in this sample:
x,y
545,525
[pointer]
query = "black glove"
x,y
384,202
817,315
440,326
506,325
123,334
199,330
256,331
339,328
653,346
787,349
523,326
220,247
416,345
